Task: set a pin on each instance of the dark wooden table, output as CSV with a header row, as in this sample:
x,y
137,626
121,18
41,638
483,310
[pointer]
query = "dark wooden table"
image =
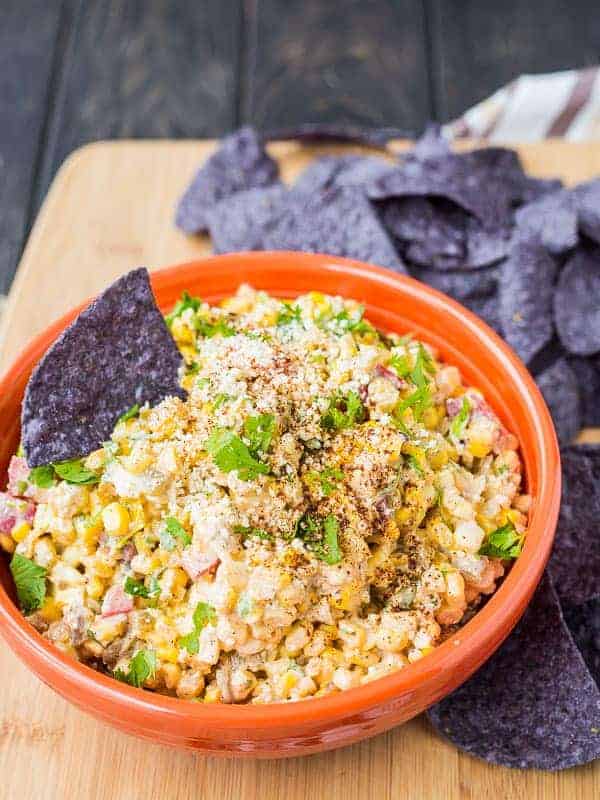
x,y
72,71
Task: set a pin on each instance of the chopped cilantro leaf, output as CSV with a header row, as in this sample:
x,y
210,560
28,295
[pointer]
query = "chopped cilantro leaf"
x,y
42,476
175,529
245,531
328,478
186,301
193,368
343,412
413,462
503,543
73,471
259,431
290,313
210,329
459,422
423,364
230,453
419,400
204,614
138,588
331,547
400,365
220,399
344,322
320,536
129,414
141,667
30,582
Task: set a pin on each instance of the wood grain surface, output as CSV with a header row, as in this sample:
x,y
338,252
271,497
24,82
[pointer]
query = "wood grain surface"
x,y
110,209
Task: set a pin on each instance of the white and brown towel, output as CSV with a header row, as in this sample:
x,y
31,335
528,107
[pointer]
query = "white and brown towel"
x,y
534,107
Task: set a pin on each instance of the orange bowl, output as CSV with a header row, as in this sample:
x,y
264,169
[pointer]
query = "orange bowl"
x,y
393,302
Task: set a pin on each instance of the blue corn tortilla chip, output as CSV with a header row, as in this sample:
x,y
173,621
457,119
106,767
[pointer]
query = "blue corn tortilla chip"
x,y
433,233
584,623
534,704
559,386
239,222
437,233
351,170
339,221
458,284
587,371
118,352
575,561
553,219
587,198
241,162
577,302
526,290
487,183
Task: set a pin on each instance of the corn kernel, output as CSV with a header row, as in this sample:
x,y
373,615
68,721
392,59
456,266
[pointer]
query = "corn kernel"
x,y
7,543
95,588
188,352
88,528
478,448
287,682
21,531
139,458
485,523
137,515
115,519
102,568
212,695
430,418
170,654
51,610
96,460
182,333
438,458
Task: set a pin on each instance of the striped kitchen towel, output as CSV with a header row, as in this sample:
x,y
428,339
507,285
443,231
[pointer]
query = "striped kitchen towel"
x,y
534,107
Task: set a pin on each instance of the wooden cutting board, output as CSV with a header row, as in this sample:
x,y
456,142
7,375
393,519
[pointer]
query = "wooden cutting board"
x,y
110,209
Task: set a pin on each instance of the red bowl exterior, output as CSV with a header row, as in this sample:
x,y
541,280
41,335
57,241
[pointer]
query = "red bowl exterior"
x,y
393,302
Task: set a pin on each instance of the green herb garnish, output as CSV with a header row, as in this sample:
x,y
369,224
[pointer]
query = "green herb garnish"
x,y
245,531
343,412
345,323
129,414
175,530
210,329
459,422
289,314
419,401
413,462
230,453
141,667
400,365
204,615
259,431
138,588
30,582
327,479
320,536
42,476
423,364
186,301
503,543
73,471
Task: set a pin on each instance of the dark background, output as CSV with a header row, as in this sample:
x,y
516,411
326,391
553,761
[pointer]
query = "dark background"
x,y
72,71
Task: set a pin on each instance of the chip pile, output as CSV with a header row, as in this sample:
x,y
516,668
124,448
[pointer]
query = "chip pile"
x,y
524,254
